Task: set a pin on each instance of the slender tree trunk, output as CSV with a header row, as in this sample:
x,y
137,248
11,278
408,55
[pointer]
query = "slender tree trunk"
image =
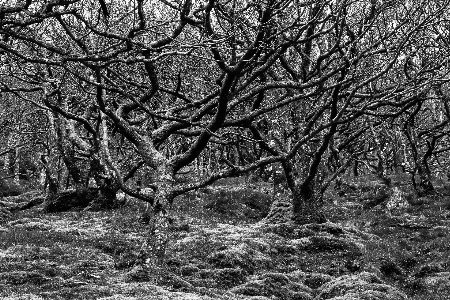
x,y
355,168
424,170
425,185
16,166
107,185
50,179
50,162
6,164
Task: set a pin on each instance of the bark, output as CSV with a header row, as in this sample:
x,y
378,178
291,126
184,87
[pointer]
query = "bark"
x,y
107,185
422,168
306,204
16,167
6,162
51,182
154,250
425,185
308,207
101,197
355,168
381,169
78,168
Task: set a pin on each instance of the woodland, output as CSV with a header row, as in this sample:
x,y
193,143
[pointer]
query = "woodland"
x,y
224,149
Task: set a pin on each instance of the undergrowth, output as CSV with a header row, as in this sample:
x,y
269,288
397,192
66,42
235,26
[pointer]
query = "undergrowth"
x,y
90,250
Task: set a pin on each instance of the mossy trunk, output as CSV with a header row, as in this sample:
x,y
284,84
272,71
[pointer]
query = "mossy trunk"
x,y
307,206
107,185
425,186
154,249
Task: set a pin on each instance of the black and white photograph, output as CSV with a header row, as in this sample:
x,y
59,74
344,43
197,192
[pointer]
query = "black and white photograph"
x,y
225,149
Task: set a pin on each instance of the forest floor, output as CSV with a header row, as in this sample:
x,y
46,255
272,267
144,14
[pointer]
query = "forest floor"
x,y
219,250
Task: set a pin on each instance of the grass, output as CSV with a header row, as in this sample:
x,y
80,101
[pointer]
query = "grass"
x,y
89,255
405,250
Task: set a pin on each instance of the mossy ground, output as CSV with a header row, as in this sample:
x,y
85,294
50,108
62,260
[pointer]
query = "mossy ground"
x,y
213,252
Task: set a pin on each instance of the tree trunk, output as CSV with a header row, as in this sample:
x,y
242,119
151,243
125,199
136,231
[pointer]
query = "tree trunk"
x,y
355,168
6,164
304,208
154,249
307,206
16,167
106,182
161,226
425,185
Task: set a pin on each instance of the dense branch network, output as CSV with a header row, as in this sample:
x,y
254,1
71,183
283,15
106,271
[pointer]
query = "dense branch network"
x,y
152,88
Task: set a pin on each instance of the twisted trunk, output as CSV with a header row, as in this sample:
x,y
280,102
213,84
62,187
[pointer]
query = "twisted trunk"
x,y
154,249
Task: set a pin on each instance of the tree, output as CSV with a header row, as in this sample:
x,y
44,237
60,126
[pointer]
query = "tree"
x,y
171,81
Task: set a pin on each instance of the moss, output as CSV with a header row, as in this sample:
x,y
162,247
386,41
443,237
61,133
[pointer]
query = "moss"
x,y
316,280
276,278
189,270
359,286
252,288
390,268
329,244
273,285
428,269
138,274
439,281
285,229
22,277
280,211
240,256
229,277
